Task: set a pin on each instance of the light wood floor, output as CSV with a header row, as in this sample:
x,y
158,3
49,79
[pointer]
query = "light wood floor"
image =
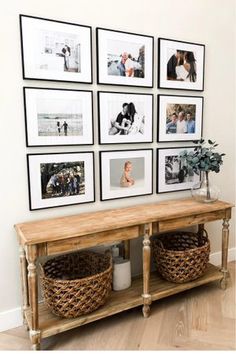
x,y
199,319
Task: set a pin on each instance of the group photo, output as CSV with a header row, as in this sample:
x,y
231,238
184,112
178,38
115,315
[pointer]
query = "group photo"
x,y
180,119
62,179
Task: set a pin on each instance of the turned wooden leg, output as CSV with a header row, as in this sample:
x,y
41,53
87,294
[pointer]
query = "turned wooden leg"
x,y
225,245
127,249
146,270
24,284
33,296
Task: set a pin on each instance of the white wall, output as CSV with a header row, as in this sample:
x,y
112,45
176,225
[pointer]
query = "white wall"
x,y
203,21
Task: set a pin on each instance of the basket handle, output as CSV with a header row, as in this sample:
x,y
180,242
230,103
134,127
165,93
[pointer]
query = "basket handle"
x,y
160,244
41,270
203,235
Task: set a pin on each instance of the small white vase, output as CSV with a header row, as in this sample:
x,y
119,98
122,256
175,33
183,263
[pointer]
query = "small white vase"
x,y
121,274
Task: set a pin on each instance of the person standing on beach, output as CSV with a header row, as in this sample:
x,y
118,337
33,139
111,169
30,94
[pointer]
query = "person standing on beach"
x,y
65,126
58,128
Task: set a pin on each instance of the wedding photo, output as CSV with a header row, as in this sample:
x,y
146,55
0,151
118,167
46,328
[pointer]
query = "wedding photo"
x,y
59,51
125,118
181,65
55,50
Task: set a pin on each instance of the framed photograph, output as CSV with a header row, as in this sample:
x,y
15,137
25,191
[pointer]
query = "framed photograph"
x,y
124,58
180,65
125,118
179,118
56,117
60,179
55,50
126,173
173,173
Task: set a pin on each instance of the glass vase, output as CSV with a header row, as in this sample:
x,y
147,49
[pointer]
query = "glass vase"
x,y
204,191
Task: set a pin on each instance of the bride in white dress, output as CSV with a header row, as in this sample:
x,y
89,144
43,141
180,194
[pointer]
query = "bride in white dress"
x,y
187,71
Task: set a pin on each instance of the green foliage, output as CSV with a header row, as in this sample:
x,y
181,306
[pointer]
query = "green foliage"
x,y
203,158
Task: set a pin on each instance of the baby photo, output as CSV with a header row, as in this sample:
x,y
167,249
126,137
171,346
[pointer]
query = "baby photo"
x,y
126,173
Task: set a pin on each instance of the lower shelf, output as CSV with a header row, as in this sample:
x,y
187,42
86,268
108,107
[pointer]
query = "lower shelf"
x,y
50,324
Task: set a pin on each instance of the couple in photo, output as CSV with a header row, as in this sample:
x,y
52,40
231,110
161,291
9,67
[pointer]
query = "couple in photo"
x,y
66,52
182,67
181,123
127,121
128,66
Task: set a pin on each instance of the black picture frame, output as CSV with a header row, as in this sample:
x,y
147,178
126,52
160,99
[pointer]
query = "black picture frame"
x,y
163,58
161,172
86,75
129,156
35,180
136,128
119,80
30,112
183,101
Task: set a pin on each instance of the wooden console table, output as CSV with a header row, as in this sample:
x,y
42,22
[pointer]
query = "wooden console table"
x,y
66,234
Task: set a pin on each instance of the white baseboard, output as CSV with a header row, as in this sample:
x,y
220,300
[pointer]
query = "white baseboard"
x,y
10,319
215,258
13,318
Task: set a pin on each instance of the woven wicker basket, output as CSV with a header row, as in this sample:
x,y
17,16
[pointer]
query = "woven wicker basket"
x,y
181,256
77,283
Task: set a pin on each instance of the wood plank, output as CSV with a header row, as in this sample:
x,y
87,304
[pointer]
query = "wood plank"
x,y
82,242
187,221
88,223
120,301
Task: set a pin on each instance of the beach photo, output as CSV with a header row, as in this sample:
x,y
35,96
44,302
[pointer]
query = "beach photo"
x,y
181,65
126,173
55,50
173,172
60,179
124,58
58,117
125,117
179,118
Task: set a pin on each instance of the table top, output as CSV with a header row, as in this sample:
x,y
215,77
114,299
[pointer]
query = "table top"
x,y
56,229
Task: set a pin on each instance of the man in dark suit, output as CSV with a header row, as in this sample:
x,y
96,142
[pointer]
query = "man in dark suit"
x,y
176,59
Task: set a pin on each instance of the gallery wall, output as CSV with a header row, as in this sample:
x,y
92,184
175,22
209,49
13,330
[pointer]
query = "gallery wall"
x,y
199,21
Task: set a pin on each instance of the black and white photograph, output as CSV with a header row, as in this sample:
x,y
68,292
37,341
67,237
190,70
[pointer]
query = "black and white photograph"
x,y
125,117
181,65
58,117
126,173
124,58
60,179
179,118
55,50
173,172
